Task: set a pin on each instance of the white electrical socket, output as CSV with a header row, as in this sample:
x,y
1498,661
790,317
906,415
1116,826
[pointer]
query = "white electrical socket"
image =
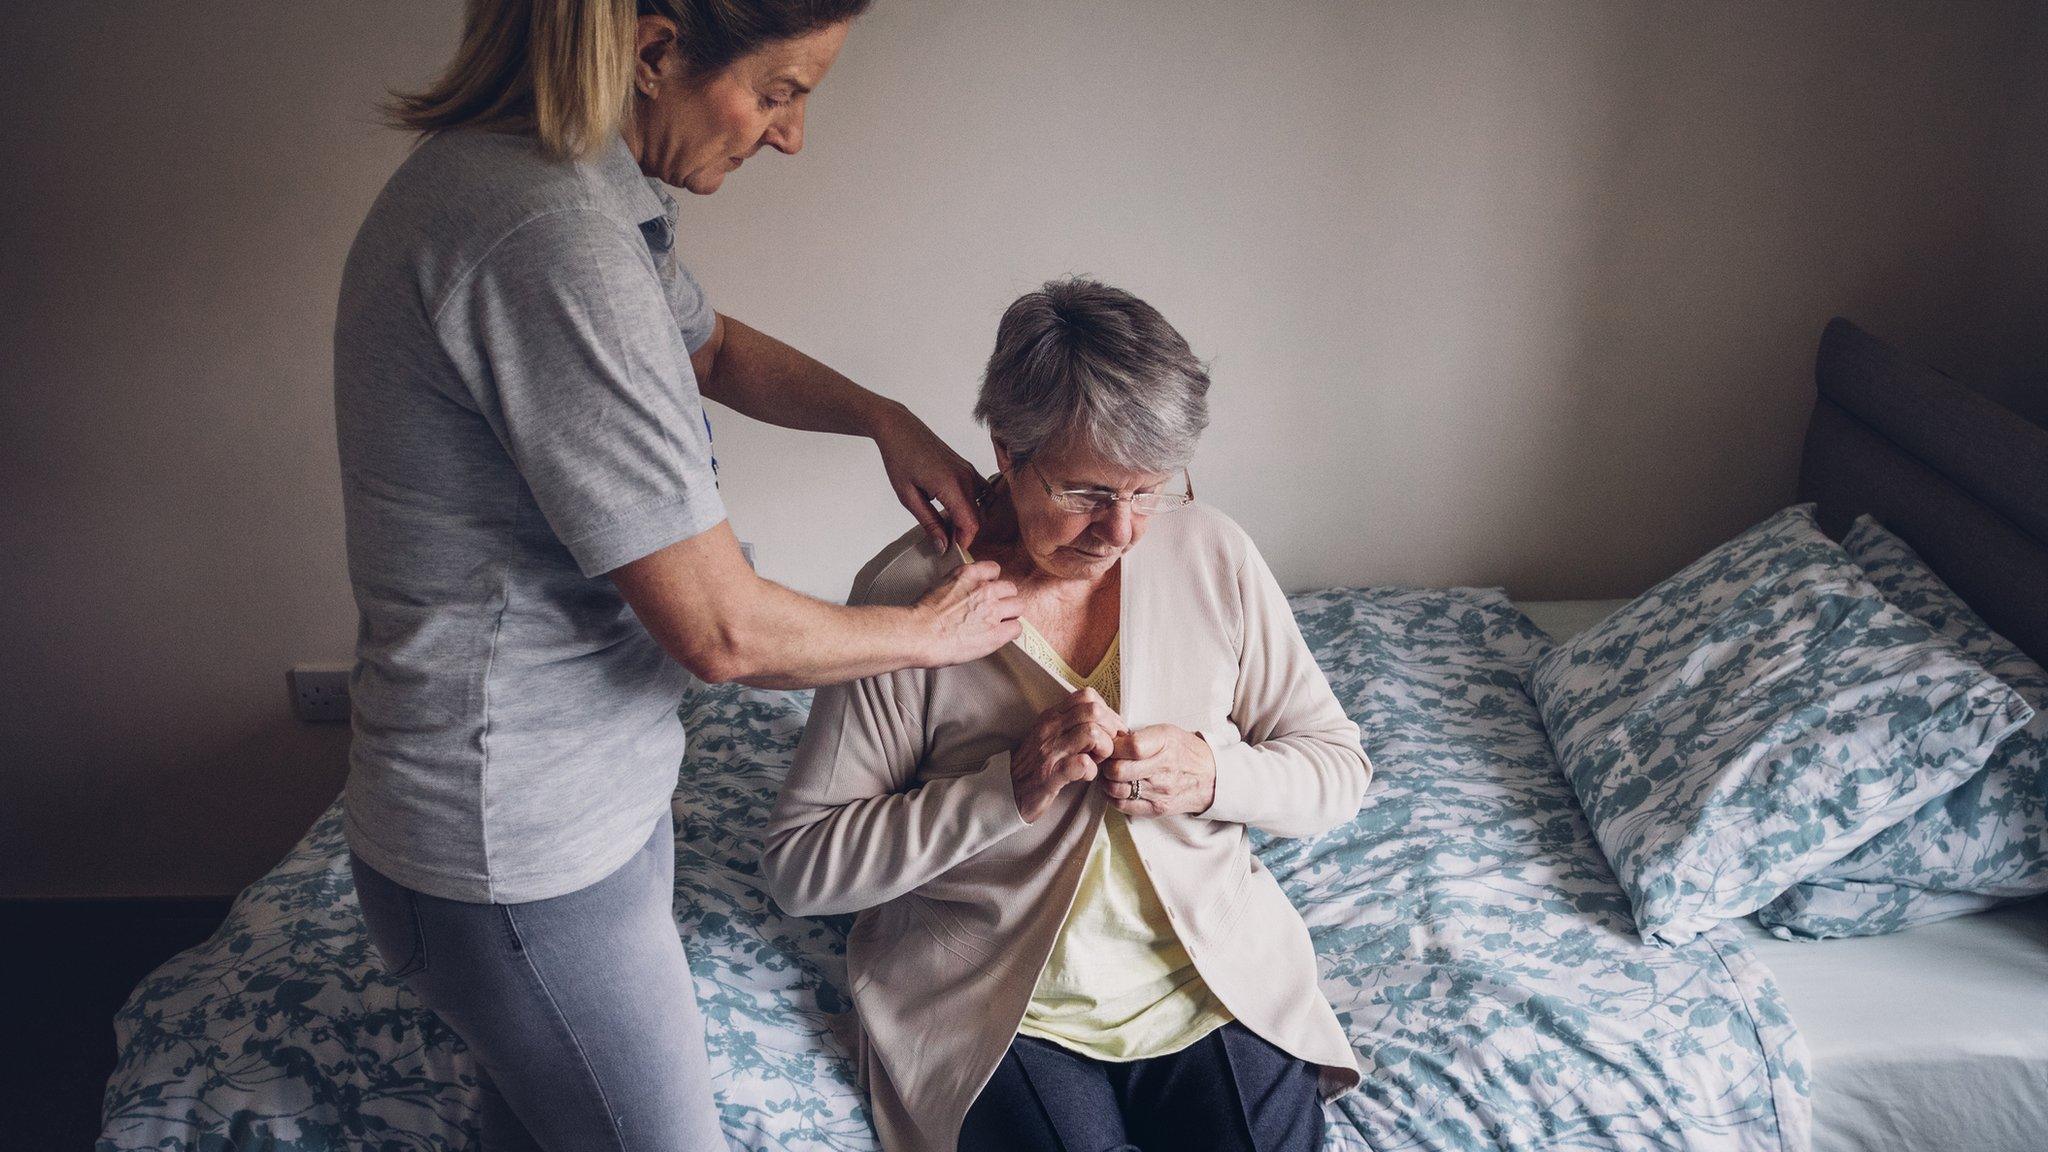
x,y
319,692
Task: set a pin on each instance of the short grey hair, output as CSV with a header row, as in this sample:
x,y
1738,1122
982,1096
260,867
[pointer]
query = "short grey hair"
x,y
1079,363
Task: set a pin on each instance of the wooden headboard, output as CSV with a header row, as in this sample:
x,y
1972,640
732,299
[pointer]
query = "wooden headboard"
x,y
1953,473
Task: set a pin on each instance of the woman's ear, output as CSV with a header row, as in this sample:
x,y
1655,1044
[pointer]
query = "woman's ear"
x,y
654,37
1002,455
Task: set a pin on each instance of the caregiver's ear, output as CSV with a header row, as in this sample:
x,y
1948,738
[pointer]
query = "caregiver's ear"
x,y
652,40
1002,455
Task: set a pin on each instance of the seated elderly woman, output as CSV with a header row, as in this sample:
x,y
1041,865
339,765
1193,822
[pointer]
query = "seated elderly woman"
x,y
1064,940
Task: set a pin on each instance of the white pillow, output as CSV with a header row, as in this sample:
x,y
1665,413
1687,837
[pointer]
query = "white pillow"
x,y
1754,718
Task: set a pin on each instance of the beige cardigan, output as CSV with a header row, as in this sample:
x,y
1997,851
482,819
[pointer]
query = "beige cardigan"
x,y
899,806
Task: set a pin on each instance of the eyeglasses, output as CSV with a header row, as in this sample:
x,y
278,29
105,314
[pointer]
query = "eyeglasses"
x,y
1090,501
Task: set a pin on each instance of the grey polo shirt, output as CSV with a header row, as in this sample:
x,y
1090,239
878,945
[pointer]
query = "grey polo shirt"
x,y
517,415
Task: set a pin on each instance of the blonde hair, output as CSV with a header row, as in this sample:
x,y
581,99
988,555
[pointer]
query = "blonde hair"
x,y
559,69
563,69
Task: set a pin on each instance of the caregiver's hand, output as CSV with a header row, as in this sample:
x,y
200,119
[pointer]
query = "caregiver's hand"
x,y
1160,769
922,468
969,614
1063,748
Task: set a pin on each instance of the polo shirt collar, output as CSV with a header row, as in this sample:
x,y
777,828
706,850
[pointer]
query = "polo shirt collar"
x,y
639,197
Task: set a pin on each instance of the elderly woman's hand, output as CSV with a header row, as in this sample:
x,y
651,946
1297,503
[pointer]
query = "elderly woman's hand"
x,y
1160,769
1070,739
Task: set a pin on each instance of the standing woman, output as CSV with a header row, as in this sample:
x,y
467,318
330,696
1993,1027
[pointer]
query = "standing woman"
x,y
538,549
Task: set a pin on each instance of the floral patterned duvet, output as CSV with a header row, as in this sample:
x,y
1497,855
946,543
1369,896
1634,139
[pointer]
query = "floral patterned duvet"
x,y
1472,938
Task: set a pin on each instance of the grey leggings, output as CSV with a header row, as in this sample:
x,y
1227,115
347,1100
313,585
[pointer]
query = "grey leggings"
x,y
579,1009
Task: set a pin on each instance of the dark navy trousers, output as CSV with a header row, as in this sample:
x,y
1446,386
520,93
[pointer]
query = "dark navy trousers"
x,y
1228,1092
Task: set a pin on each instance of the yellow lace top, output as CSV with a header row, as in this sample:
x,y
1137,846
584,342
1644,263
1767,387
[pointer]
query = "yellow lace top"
x,y
1118,985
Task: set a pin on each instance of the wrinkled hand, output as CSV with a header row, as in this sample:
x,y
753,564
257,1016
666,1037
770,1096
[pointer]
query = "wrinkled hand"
x,y
1070,739
969,614
922,468
1173,769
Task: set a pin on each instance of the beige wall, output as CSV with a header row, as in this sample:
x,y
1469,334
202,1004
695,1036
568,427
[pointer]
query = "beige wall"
x,y
1510,293
2010,349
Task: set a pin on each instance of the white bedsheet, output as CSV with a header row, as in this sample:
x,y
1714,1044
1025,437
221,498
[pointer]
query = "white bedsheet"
x,y
1935,1038
1931,1038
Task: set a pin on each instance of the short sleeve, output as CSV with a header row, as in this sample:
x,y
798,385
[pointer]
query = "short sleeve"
x,y
693,312
567,339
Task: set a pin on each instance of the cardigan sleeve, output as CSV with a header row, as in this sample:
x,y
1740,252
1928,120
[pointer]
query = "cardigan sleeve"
x,y
854,827
1289,762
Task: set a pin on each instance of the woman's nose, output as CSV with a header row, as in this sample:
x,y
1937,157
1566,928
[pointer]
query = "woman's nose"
x,y
1115,526
786,134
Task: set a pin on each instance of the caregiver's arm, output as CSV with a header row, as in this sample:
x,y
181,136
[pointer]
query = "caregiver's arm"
x,y
852,828
757,375
701,600
1290,760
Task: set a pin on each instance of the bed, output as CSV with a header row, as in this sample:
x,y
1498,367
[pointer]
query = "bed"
x,y
1472,938
1912,1037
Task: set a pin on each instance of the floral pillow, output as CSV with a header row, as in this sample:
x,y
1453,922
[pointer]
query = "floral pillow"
x,y
1985,842
1755,718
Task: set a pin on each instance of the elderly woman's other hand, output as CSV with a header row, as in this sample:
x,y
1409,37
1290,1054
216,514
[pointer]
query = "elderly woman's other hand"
x,y
1160,769
1066,746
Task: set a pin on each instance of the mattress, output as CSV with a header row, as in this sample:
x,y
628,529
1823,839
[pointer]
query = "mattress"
x,y
1915,1037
